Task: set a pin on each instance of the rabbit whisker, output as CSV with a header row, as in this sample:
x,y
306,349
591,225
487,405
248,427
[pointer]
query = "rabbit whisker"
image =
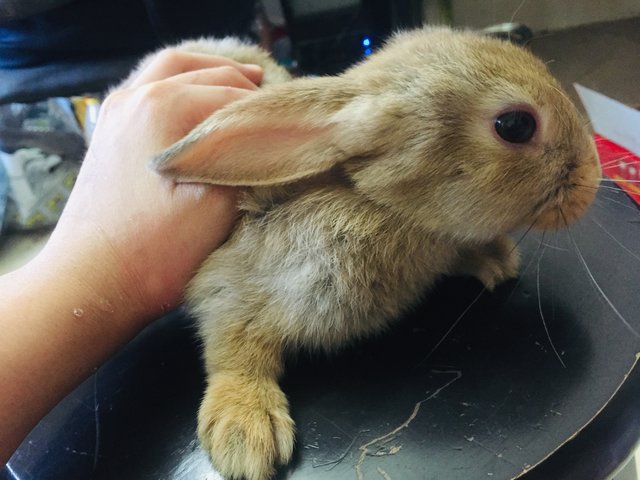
x,y
554,247
544,322
452,327
477,298
593,187
522,237
517,10
566,97
634,255
612,200
619,163
620,180
613,161
529,263
473,302
96,413
597,285
605,187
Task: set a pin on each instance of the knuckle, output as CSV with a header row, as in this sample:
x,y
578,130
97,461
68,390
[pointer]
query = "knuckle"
x,y
230,94
228,69
169,56
152,98
154,91
113,100
233,76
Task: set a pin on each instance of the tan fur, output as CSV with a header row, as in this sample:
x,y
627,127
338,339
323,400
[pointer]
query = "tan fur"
x,y
360,191
240,52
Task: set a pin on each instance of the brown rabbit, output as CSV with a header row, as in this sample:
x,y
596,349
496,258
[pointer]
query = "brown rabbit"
x,y
359,191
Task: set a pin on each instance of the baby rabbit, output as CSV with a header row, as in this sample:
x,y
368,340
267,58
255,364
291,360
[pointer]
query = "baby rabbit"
x,y
359,191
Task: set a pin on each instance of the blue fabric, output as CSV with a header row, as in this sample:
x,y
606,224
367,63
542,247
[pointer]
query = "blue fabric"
x,y
90,29
88,45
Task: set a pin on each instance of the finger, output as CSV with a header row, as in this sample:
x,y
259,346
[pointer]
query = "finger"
x,y
200,102
219,76
171,62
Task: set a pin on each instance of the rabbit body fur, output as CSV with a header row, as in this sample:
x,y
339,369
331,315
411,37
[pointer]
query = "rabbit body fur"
x,y
360,191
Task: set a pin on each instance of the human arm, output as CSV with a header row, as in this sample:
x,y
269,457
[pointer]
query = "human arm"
x,y
126,243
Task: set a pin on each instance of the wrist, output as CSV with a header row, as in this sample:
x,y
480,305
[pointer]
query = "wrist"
x,y
61,317
91,281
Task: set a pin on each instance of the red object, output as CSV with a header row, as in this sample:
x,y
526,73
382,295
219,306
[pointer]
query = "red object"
x,y
620,165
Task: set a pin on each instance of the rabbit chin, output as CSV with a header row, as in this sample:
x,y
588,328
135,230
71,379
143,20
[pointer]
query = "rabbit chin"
x,y
563,213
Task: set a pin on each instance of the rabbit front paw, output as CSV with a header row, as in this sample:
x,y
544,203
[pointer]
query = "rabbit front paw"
x,y
491,263
497,261
245,426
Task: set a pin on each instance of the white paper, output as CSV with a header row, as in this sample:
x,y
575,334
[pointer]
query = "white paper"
x,y
612,119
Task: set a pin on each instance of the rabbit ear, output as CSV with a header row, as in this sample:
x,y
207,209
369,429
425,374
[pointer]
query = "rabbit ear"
x,y
277,135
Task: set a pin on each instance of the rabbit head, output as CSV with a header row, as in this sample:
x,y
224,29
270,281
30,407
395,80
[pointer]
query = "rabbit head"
x,y
457,133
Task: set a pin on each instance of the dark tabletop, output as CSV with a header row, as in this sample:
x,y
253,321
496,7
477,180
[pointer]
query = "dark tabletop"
x,y
534,381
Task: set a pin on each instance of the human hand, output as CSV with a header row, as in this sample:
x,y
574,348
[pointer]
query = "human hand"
x,y
142,235
126,244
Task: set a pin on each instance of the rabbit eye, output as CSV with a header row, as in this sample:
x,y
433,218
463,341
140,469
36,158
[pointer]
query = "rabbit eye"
x,y
516,126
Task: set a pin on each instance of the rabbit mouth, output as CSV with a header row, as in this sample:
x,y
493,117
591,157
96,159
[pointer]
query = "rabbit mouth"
x,y
574,189
570,199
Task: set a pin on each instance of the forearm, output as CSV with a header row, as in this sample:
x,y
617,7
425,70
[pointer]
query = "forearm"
x,y
59,320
